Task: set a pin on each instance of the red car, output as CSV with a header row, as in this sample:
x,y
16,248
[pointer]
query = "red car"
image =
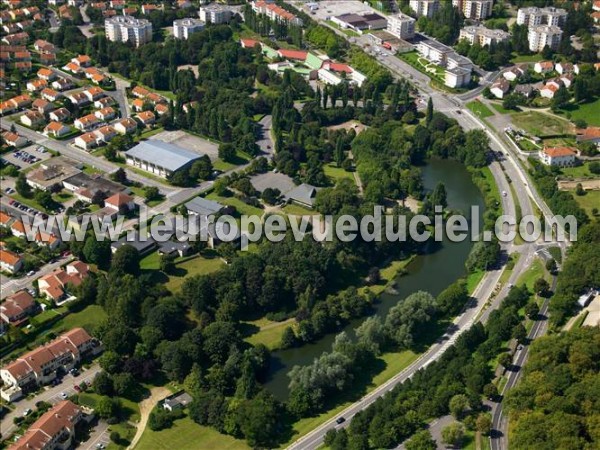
x,y
77,388
11,202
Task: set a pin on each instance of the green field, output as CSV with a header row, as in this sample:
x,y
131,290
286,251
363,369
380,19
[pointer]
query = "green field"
x,y
540,124
239,205
87,318
590,112
526,58
536,270
269,333
298,210
195,265
188,435
480,110
501,109
336,173
581,171
588,201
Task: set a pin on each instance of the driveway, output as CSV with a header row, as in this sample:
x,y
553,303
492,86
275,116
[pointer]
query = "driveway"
x,y
156,395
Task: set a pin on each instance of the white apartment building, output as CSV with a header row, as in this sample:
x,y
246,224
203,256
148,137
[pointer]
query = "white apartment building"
x,y
128,29
483,36
558,156
215,14
457,77
533,17
542,36
183,28
424,7
402,26
474,9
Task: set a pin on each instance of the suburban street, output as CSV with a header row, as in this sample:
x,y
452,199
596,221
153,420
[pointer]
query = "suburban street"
x,y
12,285
50,394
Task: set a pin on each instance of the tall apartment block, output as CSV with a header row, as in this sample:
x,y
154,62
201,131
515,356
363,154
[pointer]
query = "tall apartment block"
x,y
128,29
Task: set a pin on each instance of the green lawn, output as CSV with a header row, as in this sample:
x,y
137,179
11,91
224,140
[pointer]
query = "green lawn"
x,y
501,109
298,210
480,110
239,205
87,318
540,124
526,58
336,173
473,280
187,435
419,63
588,201
534,271
581,171
150,262
590,112
270,334
195,265
240,159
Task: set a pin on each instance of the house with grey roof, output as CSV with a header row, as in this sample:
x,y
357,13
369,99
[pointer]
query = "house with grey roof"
x,y
143,246
304,195
179,400
160,158
201,206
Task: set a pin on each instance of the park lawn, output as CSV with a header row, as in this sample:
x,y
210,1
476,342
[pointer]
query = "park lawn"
x,y
501,109
185,434
473,280
88,318
581,171
389,273
588,201
150,262
196,265
130,408
491,182
413,58
526,58
269,334
297,210
224,166
481,110
336,173
539,124
590,112
534,271
239,205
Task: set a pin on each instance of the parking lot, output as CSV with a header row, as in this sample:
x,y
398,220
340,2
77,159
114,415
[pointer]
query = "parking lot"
x,y
328,8
27,156
189,142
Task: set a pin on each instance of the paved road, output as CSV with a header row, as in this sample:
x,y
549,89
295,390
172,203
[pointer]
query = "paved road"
x,y
50,394
265,142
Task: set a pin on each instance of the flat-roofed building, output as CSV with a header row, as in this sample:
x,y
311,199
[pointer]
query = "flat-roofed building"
x,y
483,36
424,8
183,28
128,29
474,9
533,16
542,36
215,14
160,158
402,26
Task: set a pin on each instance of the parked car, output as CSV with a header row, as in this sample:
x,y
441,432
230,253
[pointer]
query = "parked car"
x,y
340,420
63,395
77,388
26,412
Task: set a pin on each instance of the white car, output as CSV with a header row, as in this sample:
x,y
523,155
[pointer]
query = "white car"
x,y
63,395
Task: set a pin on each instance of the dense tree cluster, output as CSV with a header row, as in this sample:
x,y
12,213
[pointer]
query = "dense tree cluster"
x,y
557,402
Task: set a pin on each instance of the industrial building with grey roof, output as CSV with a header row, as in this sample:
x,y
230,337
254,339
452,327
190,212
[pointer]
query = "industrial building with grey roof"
x,y
160,158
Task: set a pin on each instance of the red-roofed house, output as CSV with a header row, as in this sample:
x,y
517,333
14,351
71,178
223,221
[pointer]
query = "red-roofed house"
x,y
10,261
549,90
56,129
54,284
86,141
248,43
297,55
14,139
55,429
589,134
120,202
124,126
18,307
146,118
558,156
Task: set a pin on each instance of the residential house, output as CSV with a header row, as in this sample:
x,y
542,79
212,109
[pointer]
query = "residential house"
x,y
513,73
146,118
567,79
9,261
49,240
54,285
43,106
86,123
139,92
62,84
105,134
558,156
18,307
86,141
21,101
14,139
549,90
55,429
46,74
161,109
18,229
73,68
32,119
82,60
120,202
5,219
543,67
500,88
6,108
60,115
36,85
78,98
50,94
56,129
137,104
589,134
125,126
526,90
202,207
104,102
304,195
94,93
179,400
105,113
567,67
38,367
